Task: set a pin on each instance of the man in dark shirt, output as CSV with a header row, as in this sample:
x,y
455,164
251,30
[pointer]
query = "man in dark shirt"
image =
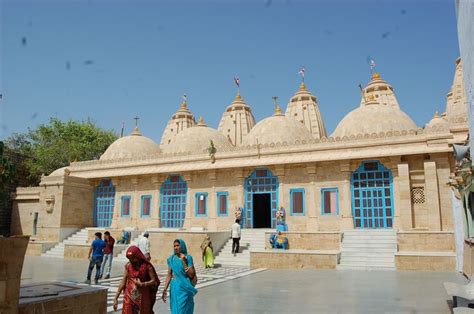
x,y
97,251
108,255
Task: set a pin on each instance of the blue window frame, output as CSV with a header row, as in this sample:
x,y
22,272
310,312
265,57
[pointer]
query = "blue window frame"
x,y
125,206
297,202
174,193
104,200
330,201
222,203
145,208
201,204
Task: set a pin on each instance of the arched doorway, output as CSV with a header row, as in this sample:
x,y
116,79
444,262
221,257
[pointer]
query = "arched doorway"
x,y
104,198
261,199
372,196
173,202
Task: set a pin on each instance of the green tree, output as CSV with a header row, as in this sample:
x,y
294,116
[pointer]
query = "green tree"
x,y
7,175
56,144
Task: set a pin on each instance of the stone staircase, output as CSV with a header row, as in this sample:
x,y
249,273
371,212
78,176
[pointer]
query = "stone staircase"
x,y
122,255
372,249
251,239
79,237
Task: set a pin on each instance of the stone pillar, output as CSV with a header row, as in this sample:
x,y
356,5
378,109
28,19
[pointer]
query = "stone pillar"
x,y
443,172
432,195
135,203
156,199
212,202
403,206
311,195
345,198
189,211
240,177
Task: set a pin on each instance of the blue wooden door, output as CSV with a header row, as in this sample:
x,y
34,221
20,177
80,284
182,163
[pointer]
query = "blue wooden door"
x,y
104,198
173,202
372,196
261,181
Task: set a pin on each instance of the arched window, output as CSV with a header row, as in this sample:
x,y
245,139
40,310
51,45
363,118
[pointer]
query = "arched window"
x,y
372,196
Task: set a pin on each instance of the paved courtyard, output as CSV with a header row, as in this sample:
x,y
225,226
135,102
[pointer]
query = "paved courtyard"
x,y
236,290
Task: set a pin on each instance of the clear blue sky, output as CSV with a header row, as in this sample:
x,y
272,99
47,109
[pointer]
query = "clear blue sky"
x,y
112,60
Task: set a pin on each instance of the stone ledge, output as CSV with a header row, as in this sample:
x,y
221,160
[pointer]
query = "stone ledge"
x,y
294,251
294,259
425,261
411,253
425,232
58,297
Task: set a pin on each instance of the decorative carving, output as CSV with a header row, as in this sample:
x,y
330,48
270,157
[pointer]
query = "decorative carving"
x,y
50,200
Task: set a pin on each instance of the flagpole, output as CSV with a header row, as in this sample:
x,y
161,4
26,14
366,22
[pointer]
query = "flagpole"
x,y
362,92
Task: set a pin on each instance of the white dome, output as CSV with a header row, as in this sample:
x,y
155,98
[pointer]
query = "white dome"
x,y
278,128
437,124
134,145
59,172
374,119
196,139
379,112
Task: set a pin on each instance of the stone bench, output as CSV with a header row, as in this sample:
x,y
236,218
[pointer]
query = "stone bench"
x,y
463,310
294,259
425,261
60,297
456,291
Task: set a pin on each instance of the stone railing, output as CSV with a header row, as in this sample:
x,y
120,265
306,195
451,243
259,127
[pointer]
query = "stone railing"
x,y
325,143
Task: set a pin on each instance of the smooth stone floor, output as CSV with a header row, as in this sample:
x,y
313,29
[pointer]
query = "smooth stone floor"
x,y
328,291
292,291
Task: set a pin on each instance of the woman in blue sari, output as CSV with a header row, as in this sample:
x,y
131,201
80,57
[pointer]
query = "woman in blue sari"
x,y
181,275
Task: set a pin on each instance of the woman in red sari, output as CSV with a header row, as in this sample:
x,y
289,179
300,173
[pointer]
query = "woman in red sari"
x,y
139,283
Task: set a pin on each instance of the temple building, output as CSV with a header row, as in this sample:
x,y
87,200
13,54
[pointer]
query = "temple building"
x,y
378,170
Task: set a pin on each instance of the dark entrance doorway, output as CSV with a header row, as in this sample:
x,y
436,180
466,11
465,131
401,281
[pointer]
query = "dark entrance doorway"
x,y
262,212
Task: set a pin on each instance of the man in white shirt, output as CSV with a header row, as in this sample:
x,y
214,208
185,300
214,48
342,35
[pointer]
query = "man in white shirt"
x,y
144,245
235,234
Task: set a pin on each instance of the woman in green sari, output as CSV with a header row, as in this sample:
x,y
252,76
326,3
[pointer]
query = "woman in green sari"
x,y
207,253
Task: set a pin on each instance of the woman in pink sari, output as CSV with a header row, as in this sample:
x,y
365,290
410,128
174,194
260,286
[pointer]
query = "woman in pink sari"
x,y
139,283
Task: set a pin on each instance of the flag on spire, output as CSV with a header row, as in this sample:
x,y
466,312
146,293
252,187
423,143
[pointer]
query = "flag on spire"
x,y
301,72
372,64
237,81
184,97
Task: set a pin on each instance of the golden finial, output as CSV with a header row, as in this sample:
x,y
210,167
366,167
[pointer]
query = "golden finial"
x,y
302,86
201,122
375,76
238,96
184,105
436,115
277,110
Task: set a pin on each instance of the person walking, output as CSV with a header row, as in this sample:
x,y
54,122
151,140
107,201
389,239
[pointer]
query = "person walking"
x,y
108,255
139,283
235,234
207,253
144,245
182,278
95,256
